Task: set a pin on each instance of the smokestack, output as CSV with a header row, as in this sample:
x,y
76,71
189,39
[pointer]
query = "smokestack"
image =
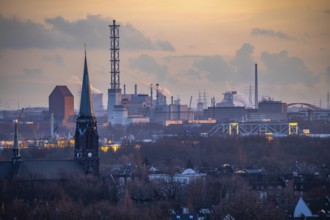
x,y
124,89
250,96
135,89
157,94
172,100
151,94
256,86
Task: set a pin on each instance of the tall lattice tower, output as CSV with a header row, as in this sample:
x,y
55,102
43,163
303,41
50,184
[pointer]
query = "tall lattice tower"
x,y
115,111
114,56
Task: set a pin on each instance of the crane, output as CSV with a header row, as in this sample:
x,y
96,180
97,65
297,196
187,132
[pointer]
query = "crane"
x,y
16,154
189,108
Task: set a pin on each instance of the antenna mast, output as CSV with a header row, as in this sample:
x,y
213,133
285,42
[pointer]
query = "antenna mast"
x,y
114,56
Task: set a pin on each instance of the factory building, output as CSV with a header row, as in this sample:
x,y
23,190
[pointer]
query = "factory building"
x,y
61,103
174,111
119,115
29,114
133,108
272,110
253,115
309,114
138,104
226,114
114,106
226,111
268,111
160,113
322,114
97,102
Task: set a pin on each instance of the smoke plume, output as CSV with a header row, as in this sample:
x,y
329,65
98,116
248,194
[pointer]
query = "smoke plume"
x,y
76,81
163,90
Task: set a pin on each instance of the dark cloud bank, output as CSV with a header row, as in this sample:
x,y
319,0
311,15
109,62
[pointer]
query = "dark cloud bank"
x,y
61,33
32,72
270,33
278,68
218,69
148,65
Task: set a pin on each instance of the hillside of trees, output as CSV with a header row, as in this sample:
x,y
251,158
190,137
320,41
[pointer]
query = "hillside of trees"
x,y
101,198
277,154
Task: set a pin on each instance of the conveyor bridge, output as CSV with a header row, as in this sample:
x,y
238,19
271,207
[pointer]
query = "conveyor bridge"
x,y
246,129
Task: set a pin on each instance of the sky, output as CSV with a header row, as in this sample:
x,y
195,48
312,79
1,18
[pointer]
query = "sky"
x,y
186,46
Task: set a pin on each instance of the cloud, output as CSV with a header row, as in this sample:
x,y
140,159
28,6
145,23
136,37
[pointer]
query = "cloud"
x,y
283,69
61,33
165,45
91,31
243,62
217,68
76,81
17,34
57,59
193,74
32,72
132,38
279,69
270,33
149,65
328,73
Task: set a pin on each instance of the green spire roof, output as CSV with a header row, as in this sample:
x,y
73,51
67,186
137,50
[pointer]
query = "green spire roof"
x,y
86,107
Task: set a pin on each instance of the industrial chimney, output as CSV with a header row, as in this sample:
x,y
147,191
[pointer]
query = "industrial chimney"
x,y
256,87
157,94
135,89
151,94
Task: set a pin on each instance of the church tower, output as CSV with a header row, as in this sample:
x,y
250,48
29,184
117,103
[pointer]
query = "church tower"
x,y
86,135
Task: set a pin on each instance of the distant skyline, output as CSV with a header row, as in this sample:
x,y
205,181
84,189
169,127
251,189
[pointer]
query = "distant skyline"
x,y
184,45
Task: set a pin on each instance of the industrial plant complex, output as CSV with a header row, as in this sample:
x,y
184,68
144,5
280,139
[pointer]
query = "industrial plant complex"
x,y
124,109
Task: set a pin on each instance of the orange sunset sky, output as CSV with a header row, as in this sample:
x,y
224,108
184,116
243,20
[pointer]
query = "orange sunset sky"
x,y
185,45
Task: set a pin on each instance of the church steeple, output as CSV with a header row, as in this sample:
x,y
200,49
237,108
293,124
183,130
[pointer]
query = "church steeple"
x,y
16,155
86,107
86,135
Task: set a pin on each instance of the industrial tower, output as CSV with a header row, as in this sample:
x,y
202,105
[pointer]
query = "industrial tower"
x,y
114,93
114,56
256,99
